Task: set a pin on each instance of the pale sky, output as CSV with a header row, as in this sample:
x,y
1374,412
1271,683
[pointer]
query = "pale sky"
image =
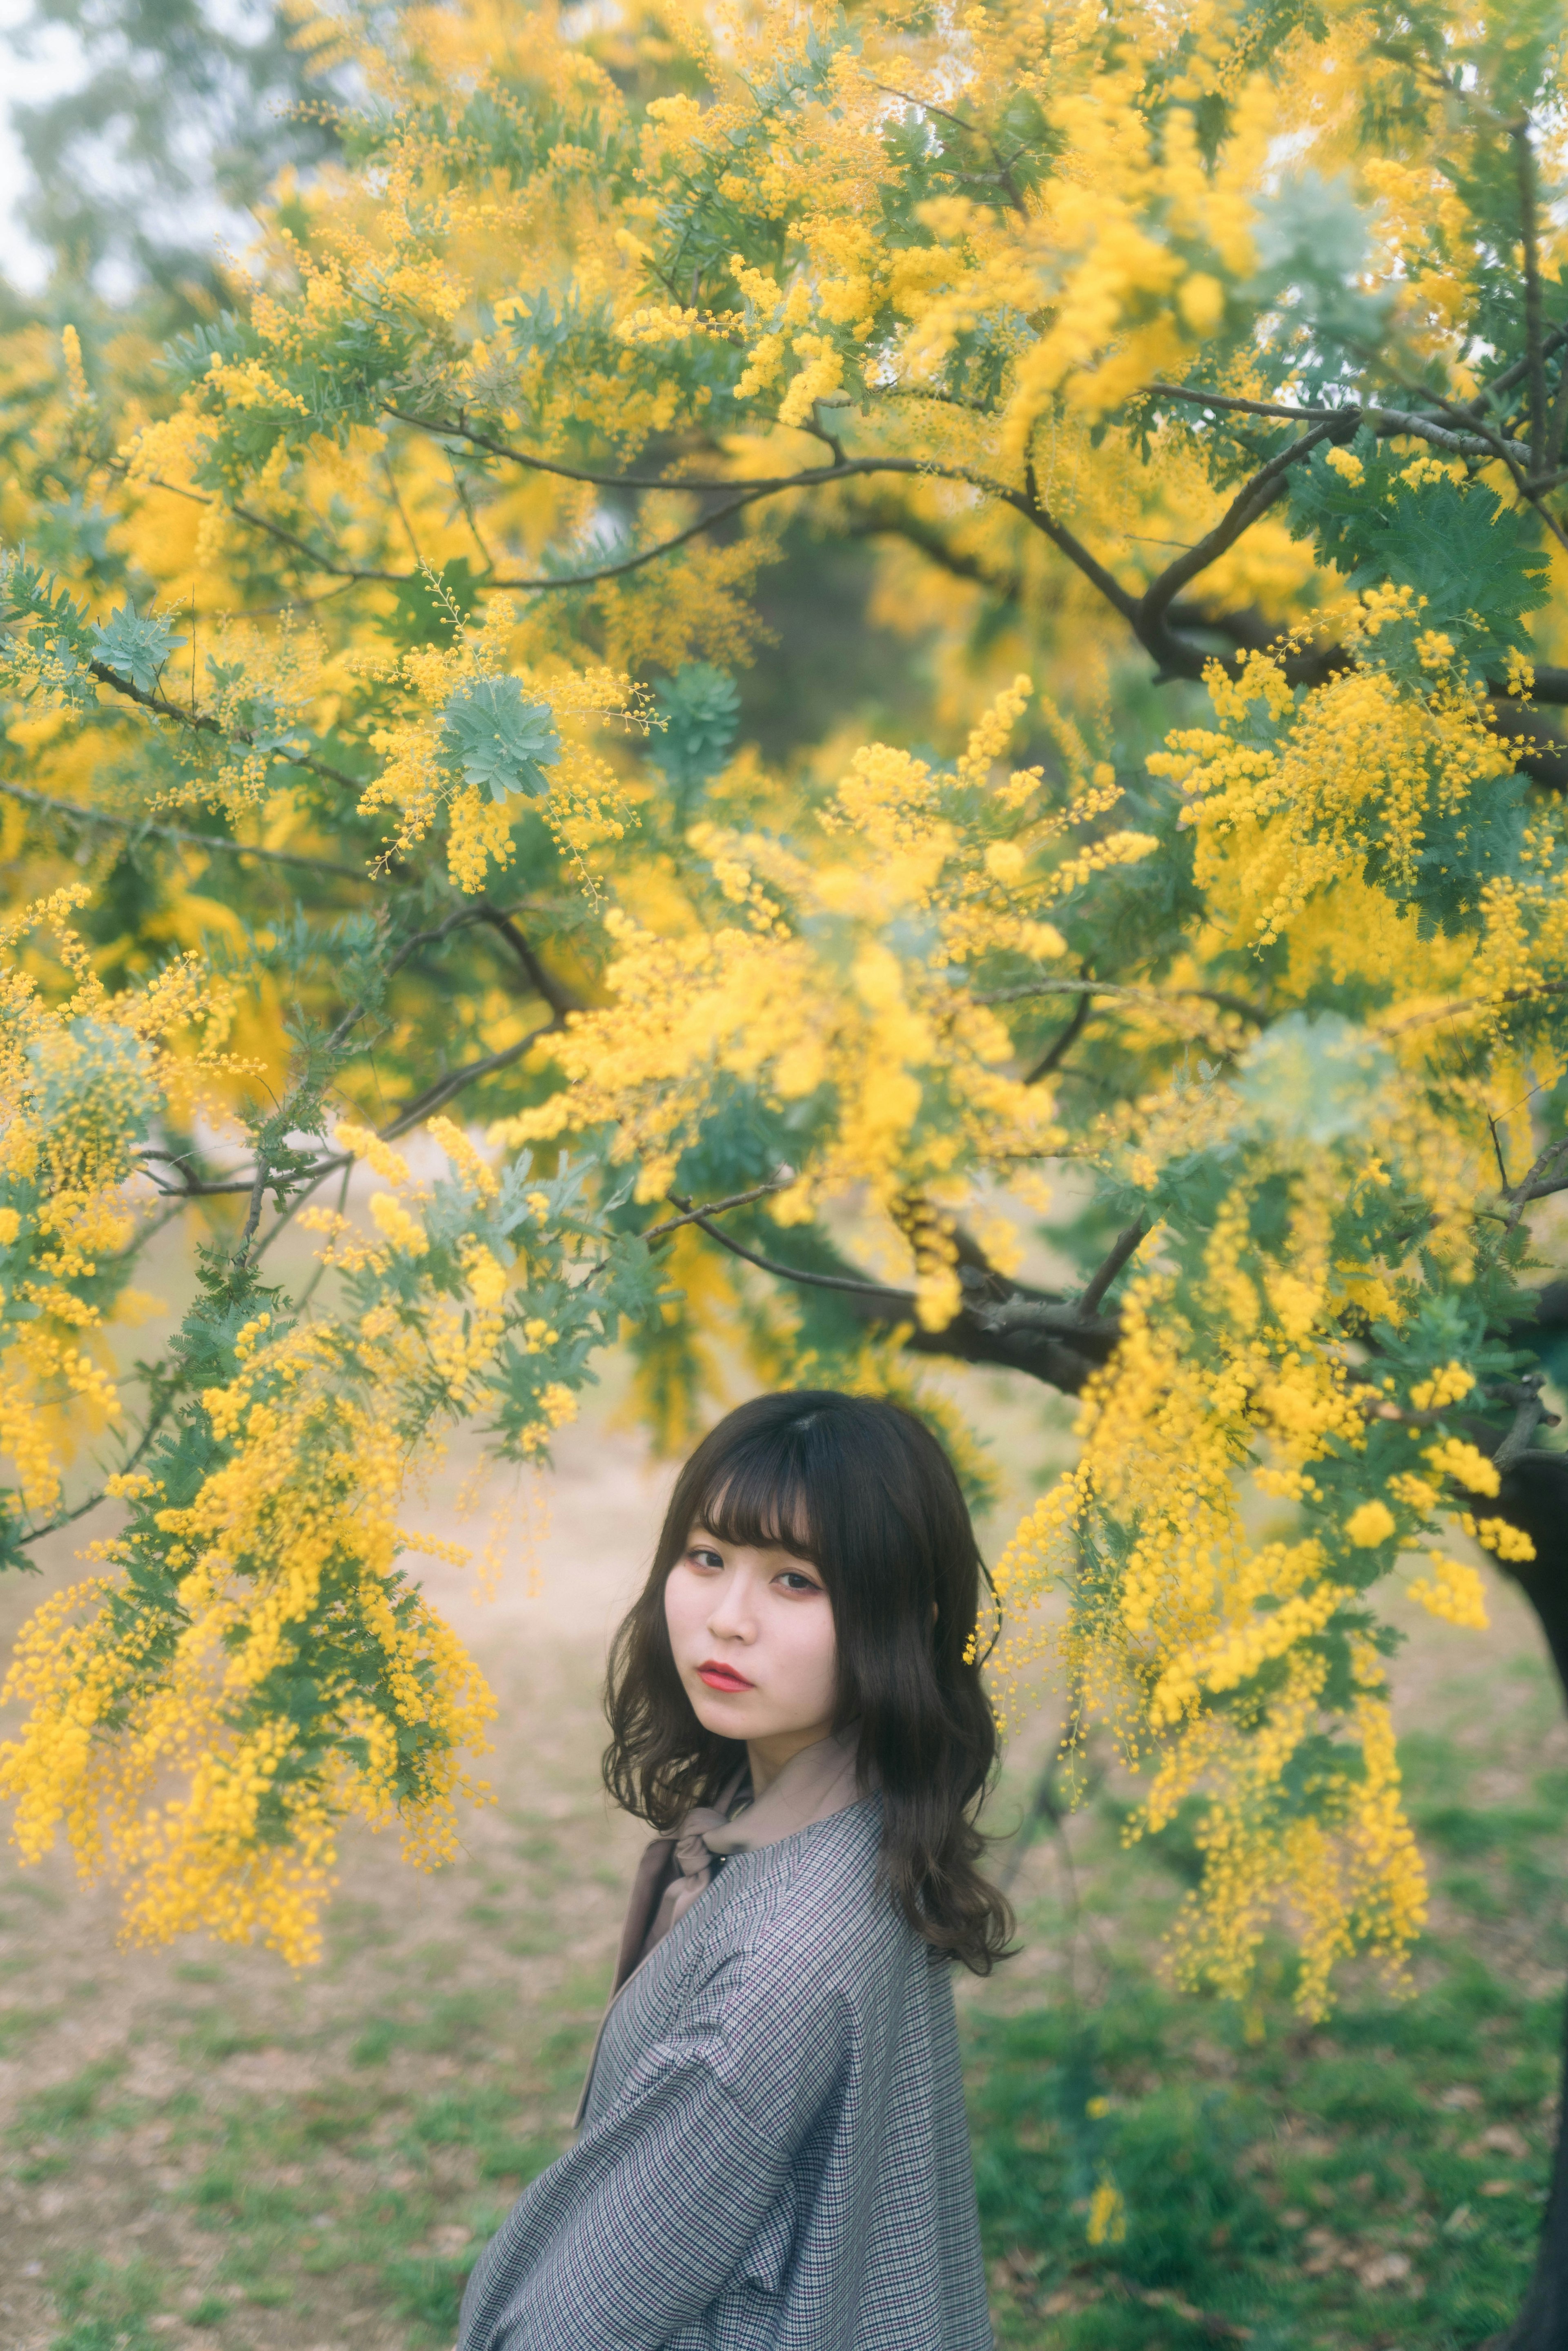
x,y
25,79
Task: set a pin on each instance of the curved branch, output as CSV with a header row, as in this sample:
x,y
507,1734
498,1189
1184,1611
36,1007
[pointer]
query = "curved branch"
x,y
808,477
456,1081
899,1303
716,1207
1388,423
1110,989
208,840
1093,571
202,722
157,1414
1055,1052
618,570
554,992
318,561
1048,1339
1252,500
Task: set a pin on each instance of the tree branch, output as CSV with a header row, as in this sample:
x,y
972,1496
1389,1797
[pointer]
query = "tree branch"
x,y
410,1115
157,1414
1252,500
1529,1412
319,562
1123,1248
717,1207
457,1081
900,1302
549,580
213,842
1003,177
1524,172
554,992
1115,990
202,722
1539,1182
1388,423
1041,1337
1093,571
808,477
1066,1038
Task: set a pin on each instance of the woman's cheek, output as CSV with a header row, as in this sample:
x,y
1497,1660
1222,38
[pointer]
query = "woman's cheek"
x,y
681,1604
816,1652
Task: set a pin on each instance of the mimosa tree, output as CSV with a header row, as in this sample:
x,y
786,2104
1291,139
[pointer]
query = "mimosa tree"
x,y
374,765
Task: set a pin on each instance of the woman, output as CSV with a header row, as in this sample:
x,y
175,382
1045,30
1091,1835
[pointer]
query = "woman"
x,y
772,2153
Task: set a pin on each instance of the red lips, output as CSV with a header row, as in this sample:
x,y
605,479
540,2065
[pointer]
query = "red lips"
x,y
722,1678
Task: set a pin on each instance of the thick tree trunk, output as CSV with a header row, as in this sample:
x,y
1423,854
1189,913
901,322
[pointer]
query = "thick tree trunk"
x,y
1536,1497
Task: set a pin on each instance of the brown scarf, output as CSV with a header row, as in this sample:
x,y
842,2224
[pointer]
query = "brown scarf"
x,y
675,1870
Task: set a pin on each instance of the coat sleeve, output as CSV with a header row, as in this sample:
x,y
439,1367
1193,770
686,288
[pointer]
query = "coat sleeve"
x,y
632,2232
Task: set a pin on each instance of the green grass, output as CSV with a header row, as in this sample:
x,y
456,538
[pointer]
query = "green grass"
x,y
1320,2191
107,2306
1375,2181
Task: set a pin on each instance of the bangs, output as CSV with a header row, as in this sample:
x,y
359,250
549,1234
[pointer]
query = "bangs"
x,y
757,1497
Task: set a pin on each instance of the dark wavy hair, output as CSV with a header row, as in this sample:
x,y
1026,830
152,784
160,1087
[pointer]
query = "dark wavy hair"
x,y
864,1490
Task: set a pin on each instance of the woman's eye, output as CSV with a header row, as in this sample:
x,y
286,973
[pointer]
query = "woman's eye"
x,y
793,1582
696,1558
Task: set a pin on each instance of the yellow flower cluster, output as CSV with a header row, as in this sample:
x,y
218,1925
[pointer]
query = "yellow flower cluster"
x,y
1218,1651
809,994
82,1075
1454,1591
1358,767
260,1646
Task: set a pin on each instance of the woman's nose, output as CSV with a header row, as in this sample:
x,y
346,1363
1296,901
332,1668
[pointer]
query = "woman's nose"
x,y
732,1618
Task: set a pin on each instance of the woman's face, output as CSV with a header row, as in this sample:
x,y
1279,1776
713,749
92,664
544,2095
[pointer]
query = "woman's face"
x,y
753,1639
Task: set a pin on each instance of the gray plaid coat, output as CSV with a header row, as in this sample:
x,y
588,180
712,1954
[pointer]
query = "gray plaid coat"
x,y
774,2154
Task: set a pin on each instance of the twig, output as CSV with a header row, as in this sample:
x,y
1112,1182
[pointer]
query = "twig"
x,y
204,723
808,477
1065,1040
286,1216
560,998
1003,176
303,1301
410,1115
253,1215
717,1207
1388,423
904,1299
157,1415
1524,172
318,563
208,840
444,1088
1126,1243
1116,989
